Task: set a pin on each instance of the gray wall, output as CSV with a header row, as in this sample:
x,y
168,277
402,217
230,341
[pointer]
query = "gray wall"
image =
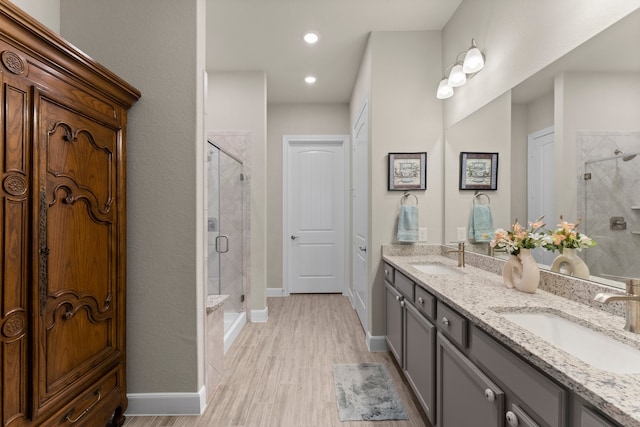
x,y
45,11
153,45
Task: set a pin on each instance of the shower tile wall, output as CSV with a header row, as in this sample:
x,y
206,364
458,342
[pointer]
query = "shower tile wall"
x,y
611,191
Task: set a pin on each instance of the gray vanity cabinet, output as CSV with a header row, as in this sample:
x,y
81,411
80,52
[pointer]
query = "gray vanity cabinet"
x,y
466,396
395,315
462,376
420,358
589,418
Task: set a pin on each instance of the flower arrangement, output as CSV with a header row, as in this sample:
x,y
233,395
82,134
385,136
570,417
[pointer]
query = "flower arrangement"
x,y
519,237
566,236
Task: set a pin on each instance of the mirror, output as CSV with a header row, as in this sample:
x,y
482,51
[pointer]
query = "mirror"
x,y
574,127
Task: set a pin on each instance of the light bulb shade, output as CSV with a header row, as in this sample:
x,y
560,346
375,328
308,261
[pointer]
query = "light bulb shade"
x,y
457,77
444,90
473,61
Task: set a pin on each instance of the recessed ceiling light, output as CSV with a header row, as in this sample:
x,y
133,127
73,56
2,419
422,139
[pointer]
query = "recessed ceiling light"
x,y
310,80
311,38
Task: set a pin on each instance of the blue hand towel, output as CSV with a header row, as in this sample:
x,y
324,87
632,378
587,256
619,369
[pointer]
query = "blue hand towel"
x,y
481,224
408,223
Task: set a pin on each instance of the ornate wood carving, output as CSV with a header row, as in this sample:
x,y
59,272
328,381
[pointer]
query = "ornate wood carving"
x,y
15,185
13,62
14,325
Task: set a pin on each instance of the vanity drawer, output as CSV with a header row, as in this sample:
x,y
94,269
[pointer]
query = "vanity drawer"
x,y
425,302
404,285
388,273
452,324
545,400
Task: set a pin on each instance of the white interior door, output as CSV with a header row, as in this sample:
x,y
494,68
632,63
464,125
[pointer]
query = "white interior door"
x,y
540,184
315,211
361,216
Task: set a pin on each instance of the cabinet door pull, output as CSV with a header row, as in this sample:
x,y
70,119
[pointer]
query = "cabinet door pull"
x,y
446,322
398,297
86,411
402,303
490,395
420,300
512,419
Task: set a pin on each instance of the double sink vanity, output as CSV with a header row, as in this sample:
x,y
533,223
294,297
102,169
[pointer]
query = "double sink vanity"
x,y
478,354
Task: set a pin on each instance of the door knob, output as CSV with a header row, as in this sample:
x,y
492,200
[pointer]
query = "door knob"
x,y
294,237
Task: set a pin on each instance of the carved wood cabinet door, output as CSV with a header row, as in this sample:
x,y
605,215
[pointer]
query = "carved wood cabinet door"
x,y
78,244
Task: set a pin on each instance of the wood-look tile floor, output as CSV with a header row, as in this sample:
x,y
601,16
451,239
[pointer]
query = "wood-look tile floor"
x,y
279,373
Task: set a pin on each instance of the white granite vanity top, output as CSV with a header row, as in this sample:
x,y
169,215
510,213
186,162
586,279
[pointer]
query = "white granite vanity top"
x,y
480,295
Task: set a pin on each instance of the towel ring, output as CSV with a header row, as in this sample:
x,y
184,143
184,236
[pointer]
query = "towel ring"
x,y
481,194
406,195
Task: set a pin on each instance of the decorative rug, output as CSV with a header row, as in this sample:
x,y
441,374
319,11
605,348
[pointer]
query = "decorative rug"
x,y
365,392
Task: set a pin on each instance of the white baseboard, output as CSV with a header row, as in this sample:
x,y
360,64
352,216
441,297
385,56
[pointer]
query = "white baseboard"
x,y
349,294
234,330
377,343
169,404
260,316
275,292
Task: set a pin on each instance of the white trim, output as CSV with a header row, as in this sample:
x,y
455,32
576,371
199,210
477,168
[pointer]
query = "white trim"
x,y
169,404
260,316
377,343
349,294
346,147
233,330
275,292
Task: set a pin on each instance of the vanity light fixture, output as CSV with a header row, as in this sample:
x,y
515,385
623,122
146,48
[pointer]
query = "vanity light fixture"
x,y
467,64
444,90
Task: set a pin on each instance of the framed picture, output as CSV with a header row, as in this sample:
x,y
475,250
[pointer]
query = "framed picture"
x,y
407,171
478,171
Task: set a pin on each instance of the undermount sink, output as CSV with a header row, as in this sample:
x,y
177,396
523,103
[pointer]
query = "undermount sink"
x,y
435,268
588,345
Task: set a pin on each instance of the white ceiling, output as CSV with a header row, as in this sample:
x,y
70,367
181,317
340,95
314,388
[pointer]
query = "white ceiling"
x,y
252,35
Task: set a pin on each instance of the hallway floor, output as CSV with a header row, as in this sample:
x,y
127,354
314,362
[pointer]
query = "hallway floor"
x,y
279,373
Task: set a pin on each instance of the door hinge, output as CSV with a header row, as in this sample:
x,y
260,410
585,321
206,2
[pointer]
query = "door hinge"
x,y
242,298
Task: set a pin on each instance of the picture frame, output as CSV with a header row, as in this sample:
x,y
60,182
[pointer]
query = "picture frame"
x,y
407,171
478,171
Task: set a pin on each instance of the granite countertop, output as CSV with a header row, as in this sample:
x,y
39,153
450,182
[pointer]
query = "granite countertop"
x,y
481,295
214,302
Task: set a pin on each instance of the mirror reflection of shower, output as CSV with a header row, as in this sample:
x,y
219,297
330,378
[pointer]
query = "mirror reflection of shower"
x,y
609,202
625,157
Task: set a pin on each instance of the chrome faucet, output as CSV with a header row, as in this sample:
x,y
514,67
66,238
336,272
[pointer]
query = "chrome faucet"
x,y
460,253
632,298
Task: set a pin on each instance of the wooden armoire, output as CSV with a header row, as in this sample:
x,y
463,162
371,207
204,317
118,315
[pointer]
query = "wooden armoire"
x,y
62,230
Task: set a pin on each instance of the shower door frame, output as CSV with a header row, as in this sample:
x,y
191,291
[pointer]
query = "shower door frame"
x,y
219,251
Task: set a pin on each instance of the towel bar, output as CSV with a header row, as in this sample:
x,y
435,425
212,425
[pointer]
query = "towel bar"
x,y
481,194
406,195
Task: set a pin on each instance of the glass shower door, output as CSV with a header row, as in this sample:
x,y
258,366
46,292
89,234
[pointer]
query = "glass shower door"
x,y
225,231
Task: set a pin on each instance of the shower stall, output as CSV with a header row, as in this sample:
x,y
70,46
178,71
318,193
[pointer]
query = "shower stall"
x,y
609,203
225,263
